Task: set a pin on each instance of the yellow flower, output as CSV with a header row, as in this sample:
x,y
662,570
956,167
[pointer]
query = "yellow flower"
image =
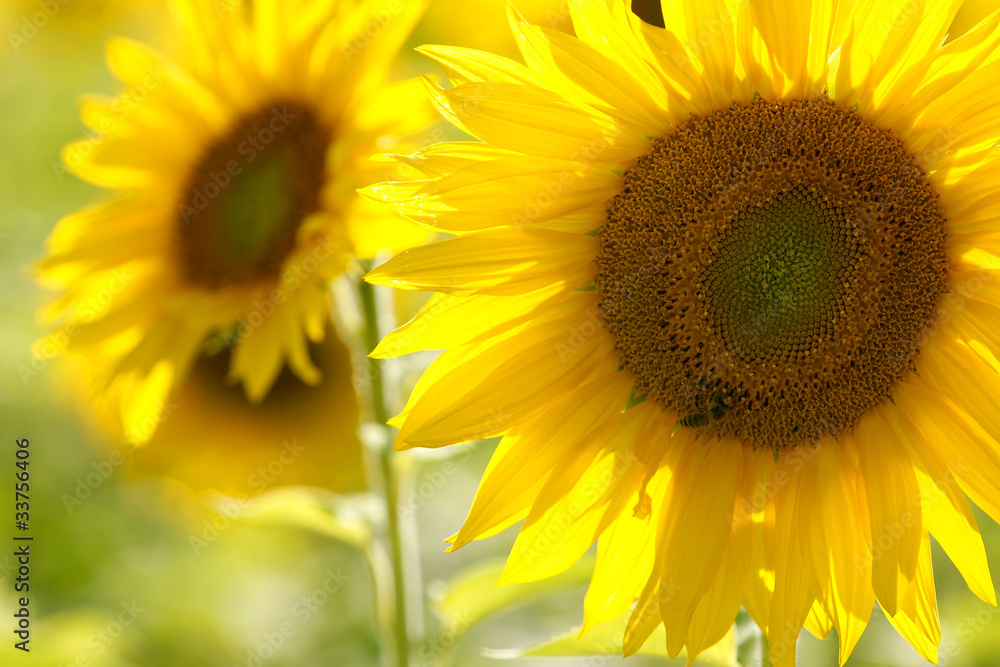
x,y
728,290
241,163
461,23
211,436
971,13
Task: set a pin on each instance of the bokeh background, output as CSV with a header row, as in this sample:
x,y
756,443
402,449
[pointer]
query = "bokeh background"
x,y
132,569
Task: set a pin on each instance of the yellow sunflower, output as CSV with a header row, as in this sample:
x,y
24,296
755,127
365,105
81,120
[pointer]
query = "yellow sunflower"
x,y
971,13
461,23
728,290
241,162
212,436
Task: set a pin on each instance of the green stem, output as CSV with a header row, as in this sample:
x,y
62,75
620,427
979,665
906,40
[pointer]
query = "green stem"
x,y
390,474
372,337
396,550
765,652
752,649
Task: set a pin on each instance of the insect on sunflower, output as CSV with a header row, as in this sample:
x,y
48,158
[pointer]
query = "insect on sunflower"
x,y
240,161
728,290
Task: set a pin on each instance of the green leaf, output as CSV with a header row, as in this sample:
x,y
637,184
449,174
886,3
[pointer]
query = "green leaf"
x,y
588,287
337,517
473,595
606,640
633,400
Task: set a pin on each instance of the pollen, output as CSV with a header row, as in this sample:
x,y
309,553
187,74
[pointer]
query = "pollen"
x,y
785,257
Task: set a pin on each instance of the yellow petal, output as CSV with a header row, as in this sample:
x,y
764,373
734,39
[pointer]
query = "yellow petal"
x,y
755,509
490,262
946,512
625,556
579,498
447,321
894,509
917,620
531,453
838,545
714,615
609,32
704,484
966,437
592,78
707,28
819,622
799,35
536,122
464,65
794,592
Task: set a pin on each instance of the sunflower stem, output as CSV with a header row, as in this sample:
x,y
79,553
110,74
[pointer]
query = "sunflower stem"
x,y
391,473
752,648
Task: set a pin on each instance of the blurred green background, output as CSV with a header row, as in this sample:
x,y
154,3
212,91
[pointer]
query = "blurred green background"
x,y
121,578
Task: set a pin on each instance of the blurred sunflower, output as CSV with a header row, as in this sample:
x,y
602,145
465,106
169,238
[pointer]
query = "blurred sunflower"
x,y
298,434
24,18
241,164
728,289
22,22
460,23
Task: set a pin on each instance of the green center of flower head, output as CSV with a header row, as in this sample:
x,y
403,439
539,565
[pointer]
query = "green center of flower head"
x,y
244,201
767,272
774,283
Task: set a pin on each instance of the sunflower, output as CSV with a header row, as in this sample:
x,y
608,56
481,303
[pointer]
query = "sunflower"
x,y
461,24
971,13
241,163
728,291
212,436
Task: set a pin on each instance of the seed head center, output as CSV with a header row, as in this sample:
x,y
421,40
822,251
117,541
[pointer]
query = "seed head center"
x,y
767,271
242,205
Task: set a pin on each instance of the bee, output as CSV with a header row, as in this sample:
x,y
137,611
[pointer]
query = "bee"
x,y
718,406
